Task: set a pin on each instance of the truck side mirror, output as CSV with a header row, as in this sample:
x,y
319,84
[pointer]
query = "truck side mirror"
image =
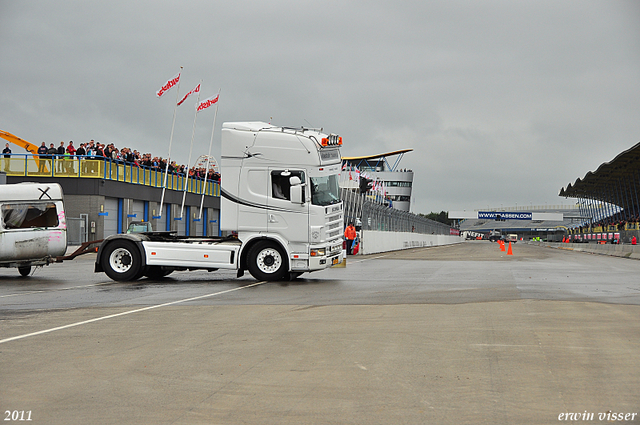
x,y
294,181
296,190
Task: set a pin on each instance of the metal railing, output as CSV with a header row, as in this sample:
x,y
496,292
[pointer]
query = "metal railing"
x,y
101,168
376,216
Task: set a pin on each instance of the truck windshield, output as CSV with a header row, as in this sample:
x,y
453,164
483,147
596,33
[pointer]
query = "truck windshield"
x,y
324,190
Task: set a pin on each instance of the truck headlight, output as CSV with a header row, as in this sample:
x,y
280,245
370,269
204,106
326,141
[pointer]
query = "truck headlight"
x,y
319,252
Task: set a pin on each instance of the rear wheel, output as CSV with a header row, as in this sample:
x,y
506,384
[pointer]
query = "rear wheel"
x,y
24,270
122,261
266,261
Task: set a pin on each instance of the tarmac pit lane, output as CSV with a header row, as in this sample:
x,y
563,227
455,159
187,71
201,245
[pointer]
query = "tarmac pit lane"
x,y
454,335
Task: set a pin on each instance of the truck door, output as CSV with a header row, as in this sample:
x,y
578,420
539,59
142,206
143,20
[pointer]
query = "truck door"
x,y
252,200
289,219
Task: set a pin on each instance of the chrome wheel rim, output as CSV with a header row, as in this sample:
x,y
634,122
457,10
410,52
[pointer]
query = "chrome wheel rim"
x,y
120,260
269,260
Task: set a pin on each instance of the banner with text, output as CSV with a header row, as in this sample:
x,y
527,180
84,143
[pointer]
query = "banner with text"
x,y
504,215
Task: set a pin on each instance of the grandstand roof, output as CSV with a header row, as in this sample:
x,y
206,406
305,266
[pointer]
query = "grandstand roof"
x,y
380,155
611,182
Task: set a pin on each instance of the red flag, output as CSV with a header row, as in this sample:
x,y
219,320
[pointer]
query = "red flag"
x,y
208,102
196,90
168,85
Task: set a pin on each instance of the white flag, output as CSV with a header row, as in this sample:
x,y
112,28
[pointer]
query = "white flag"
x,y
168,85
207,102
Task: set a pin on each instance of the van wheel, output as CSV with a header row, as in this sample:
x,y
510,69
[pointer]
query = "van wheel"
x,y
122,261
266,261
24,270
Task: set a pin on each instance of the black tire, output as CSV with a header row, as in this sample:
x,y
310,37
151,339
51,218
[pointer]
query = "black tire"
x,y
266,261
121,260
24,270
157,272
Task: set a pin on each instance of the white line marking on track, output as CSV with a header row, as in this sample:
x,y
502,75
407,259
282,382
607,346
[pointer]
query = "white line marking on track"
x,y
56,289
124,313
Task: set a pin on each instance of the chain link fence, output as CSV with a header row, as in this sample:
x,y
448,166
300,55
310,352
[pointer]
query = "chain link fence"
x,y
362,210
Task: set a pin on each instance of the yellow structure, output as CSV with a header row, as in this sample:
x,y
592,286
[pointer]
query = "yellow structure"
x,y
30,147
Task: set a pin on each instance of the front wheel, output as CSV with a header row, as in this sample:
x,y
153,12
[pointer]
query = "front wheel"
x,y
122,261
24,270
266,261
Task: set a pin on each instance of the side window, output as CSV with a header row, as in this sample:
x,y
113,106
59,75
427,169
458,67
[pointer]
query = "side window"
x,y
26,216
280,185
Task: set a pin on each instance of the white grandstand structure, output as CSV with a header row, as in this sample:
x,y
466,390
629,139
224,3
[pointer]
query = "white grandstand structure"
x,y
396,182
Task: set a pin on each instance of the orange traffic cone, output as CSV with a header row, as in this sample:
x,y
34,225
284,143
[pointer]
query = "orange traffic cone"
x,y
510,252
502,246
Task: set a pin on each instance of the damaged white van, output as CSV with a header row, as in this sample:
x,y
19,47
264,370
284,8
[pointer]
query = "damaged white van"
x,y
33,229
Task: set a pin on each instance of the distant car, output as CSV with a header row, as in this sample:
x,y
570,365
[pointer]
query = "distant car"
x,y
495,236
512,238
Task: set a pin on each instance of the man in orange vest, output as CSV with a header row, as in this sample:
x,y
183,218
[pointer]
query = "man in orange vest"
x,y
349,236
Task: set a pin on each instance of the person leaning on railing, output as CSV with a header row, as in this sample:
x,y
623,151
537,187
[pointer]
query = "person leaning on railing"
x,y
7,157
42,158
61,152
71,149
68,161
52,151
81,151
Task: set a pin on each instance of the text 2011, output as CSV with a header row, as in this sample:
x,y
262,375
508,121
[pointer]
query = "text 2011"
x,y
17,415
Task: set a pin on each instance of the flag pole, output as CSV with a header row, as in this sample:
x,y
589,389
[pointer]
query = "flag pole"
x,y
206,170
166,170
193,132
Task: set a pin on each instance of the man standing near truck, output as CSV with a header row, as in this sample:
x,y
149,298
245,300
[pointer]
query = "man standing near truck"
x,y
350,235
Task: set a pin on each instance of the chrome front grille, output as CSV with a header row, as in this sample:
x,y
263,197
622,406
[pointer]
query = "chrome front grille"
x,y
334,217
335,225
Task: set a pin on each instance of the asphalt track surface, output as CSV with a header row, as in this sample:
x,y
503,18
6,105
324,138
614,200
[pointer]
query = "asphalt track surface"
x,y
461,334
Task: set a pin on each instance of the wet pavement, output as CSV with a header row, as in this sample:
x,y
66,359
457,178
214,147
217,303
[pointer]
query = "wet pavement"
x,y
456,334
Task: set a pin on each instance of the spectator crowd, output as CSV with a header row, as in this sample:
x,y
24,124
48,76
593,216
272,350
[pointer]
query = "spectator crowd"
x,y
615,220
108,152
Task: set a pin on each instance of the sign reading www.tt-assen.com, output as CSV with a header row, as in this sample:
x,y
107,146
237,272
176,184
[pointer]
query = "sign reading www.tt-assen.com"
x,y
494,215
506,215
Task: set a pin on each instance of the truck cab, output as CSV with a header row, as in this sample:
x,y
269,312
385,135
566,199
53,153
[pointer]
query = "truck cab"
x,y
279,190
280,206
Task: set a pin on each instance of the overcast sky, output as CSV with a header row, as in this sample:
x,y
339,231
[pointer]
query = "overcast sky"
x,y
502,102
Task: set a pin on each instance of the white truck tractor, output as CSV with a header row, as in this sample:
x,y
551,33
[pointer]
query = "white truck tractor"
x,y
279,199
